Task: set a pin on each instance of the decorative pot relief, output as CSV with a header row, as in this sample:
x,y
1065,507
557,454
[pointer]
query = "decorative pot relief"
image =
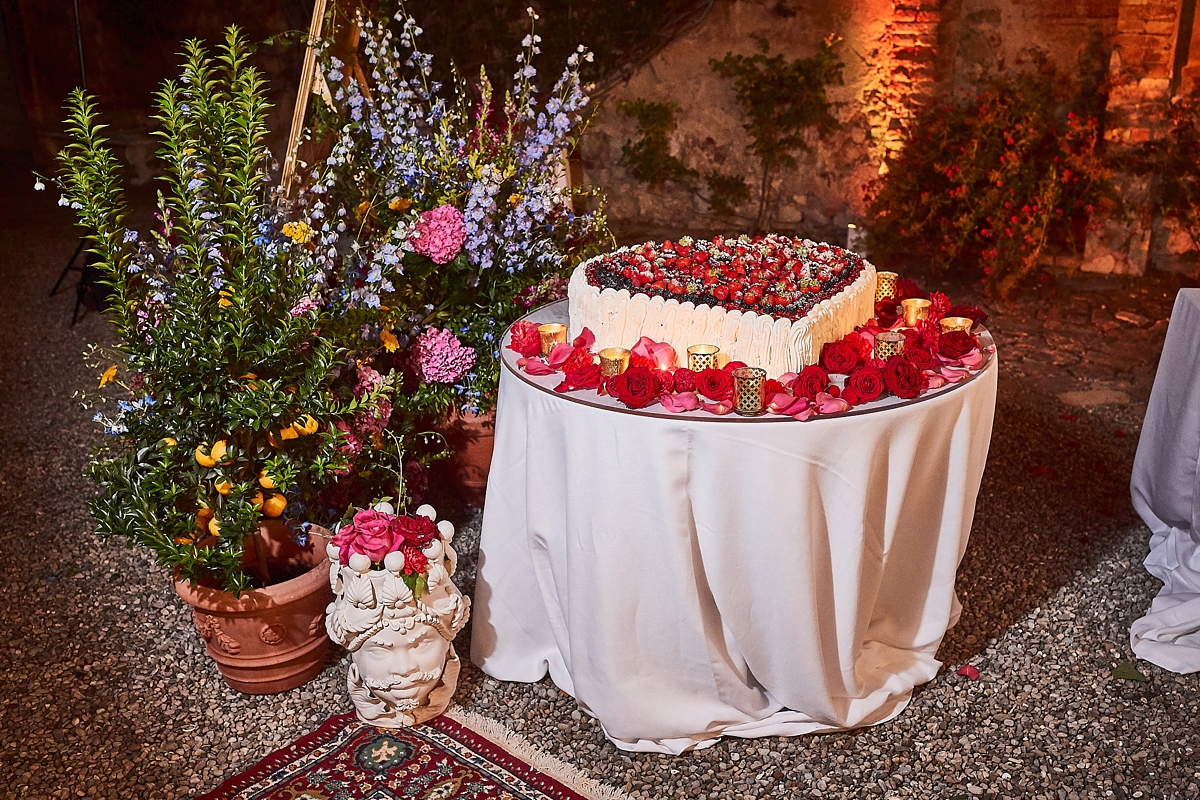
x,y
210,630
398,621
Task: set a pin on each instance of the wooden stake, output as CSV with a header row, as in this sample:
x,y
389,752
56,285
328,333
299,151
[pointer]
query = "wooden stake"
x,y
307,76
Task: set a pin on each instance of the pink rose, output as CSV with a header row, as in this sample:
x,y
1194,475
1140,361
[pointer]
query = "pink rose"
x,y
370,533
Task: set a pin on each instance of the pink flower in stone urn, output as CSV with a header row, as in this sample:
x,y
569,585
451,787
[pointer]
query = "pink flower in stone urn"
x,y
438,356
440,234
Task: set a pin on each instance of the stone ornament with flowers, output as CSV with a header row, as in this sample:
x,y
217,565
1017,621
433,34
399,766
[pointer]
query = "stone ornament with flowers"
x,y
397,611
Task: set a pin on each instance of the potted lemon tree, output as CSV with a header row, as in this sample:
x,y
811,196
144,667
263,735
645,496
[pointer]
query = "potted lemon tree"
x,y
233,415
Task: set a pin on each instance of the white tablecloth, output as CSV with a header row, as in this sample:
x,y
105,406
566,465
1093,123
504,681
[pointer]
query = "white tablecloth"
x,y
696,576
1166,494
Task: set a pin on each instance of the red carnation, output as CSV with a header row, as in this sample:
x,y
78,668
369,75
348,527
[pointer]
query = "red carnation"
x,y
663,380
714,384
839,358
525,339
921,358
940,304
956,344
637,360
811,381
415,561
902,379
864,346
586,376
772,387
635,387
685,380
580,357
906,288
866,382
970,312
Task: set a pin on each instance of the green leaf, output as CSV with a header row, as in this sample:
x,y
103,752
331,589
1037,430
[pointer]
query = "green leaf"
x,y
1128,671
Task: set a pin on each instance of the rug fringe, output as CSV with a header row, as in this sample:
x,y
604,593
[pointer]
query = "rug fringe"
x,y
572,777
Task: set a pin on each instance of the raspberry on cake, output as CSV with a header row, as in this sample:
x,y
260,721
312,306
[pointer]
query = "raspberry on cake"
x,y
770,301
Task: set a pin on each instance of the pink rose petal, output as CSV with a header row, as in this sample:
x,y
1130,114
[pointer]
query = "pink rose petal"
x,y
933,380
678,403
973,359
558,356
535,366
716,408
968,672
585,339
787,377
828,404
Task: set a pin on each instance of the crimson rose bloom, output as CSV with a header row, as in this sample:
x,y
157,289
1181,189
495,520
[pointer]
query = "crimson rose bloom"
x,y
416,531
866,382
663,380
902,378
970,312
839,358
732,365
811,381
887,312
714,384
586,376
772,387
956,344
635,387
685,380
864,346
525,339
646,362
921,358
906,288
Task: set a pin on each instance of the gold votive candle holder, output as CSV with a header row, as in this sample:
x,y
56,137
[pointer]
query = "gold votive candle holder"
x,y
702,357
915,310
885,285
748,390
888,344
613,361
552,333
956,324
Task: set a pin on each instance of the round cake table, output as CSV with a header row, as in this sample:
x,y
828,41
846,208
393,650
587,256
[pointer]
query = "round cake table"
x,y
689,576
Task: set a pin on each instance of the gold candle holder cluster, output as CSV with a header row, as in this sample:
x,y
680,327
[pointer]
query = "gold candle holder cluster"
x,y
885,285
888,344
702,357
956,324
613,361
915,310
552,333
748,390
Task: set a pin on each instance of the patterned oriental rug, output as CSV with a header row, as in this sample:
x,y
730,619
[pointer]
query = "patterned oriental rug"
x,y
457,755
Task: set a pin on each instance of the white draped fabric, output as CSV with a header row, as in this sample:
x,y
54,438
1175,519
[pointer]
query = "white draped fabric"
x,y
688,577
1166,494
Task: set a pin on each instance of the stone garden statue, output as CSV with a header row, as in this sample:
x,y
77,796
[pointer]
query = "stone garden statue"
x,y
404,668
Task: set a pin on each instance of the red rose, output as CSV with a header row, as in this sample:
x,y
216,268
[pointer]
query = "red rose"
x,y
866,382
663,380
580,357
646,362
732,365
635,387
811,381
584,377
921,358
887,312
772,387
525,339
902,378
906,288
684,380
970,312
714,384
839,358
416,531
956,344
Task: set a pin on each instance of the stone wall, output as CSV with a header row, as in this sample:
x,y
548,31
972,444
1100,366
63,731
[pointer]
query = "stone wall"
x,y
898,54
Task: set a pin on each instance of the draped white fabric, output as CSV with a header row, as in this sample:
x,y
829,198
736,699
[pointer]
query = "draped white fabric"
x,y
686,578
1166,494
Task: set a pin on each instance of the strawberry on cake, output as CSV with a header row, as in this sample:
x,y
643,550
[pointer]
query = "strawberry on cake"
x,y
770,301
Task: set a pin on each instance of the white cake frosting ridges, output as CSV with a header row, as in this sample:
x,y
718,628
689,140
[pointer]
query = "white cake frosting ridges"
x,y
619,318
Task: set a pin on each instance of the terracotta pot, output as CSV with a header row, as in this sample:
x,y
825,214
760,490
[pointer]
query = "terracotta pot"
x,y
471,437
268,640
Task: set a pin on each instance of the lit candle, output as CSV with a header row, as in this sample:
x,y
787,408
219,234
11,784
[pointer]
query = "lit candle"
x,y
956,324
702,357
885,285
915,310
748,390
552,333
613,361
888,344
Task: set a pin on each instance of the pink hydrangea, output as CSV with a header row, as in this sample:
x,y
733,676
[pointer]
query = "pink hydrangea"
x,y
440,234
438,356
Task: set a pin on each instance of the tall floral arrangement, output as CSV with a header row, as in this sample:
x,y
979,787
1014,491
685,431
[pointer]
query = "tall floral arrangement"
x,y
444,212
233,399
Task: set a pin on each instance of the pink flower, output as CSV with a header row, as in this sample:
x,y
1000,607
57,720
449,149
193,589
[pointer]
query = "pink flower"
x,y
439,234
371,534
368,381
438,357
303,307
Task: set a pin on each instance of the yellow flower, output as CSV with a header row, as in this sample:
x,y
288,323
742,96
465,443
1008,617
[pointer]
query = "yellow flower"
x,y
363,208
400,204
109,375
298,232
514,200
389,341
225,302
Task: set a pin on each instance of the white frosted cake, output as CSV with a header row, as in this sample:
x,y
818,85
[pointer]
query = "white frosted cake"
x,y
772,302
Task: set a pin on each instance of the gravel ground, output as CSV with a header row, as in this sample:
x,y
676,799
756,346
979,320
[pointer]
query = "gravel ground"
x,y
105,690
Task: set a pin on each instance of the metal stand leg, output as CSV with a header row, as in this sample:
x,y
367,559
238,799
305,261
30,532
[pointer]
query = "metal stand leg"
x,y
68,268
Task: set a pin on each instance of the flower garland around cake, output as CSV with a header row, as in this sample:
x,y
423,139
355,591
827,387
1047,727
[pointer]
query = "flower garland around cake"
x,y
931,359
